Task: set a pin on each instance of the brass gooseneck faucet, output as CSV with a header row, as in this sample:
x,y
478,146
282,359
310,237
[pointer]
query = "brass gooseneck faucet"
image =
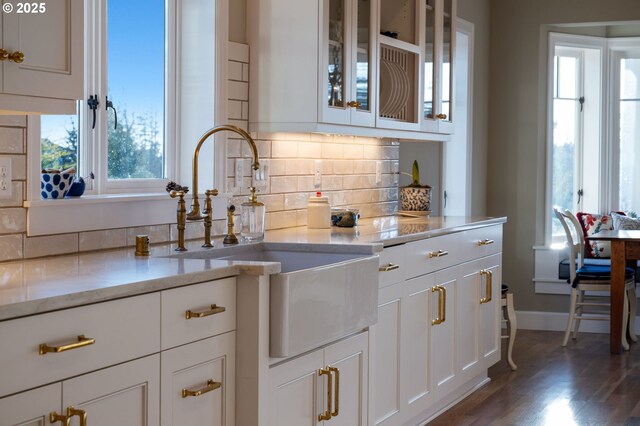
x,y
194,213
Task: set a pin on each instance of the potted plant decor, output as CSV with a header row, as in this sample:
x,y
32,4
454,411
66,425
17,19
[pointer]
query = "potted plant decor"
x,y
415,196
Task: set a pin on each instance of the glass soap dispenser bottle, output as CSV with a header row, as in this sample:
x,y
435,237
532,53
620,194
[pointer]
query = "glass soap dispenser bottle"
x,y
252,218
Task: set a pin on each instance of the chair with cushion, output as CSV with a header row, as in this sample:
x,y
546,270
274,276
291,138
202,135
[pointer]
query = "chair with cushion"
x,y
591,278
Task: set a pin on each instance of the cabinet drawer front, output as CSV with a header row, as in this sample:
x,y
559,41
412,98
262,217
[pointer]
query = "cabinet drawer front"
x,y
481,242
429,255
393,266
123,329
199,300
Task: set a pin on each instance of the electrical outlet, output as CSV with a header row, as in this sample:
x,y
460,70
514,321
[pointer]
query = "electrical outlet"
x,y
378,172
5,177
239,173
317,176
261,176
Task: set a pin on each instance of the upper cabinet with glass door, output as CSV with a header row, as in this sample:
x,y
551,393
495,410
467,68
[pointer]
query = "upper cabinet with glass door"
x,y
344,66
347,61
41,54
312,65
439,36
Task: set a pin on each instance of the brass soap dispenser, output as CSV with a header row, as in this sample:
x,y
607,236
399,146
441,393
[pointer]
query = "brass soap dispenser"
x,y
252,218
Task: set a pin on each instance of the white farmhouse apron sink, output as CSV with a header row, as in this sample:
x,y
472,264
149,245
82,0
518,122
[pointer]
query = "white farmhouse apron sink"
x,y
318,297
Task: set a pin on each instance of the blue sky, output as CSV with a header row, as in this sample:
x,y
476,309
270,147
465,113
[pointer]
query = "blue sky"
x,y
135,60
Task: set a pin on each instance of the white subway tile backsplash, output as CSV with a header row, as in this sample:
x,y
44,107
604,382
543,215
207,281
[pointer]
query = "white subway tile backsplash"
x,y
238,52
50,245
300,167
99,240
13,120
19,167
280,184
13,220
234,109
157,234
17,196
306,184
285,219
239,90
309,150
298,200
343,167
332,150
11,140
234,71
11,247
284,149
332,183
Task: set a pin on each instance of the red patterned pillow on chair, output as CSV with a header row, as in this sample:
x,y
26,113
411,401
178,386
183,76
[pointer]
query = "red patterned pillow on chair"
x,y
592,224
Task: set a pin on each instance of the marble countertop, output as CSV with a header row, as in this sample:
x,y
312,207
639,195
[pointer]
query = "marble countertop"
x,y
41,285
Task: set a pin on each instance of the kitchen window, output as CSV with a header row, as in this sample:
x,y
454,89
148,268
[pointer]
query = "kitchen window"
x,y
593,130
121,130
162,64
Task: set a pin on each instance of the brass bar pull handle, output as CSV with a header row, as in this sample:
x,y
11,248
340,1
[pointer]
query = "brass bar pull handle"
x,y
336,411
211,385
438,319
327,414
389,267
55,417
17,57
215,309
488,286
82,341
71,412
444,303
354,104
485,242
438,253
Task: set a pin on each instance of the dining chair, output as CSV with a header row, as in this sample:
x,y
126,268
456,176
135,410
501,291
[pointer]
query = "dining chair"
x,y
592,278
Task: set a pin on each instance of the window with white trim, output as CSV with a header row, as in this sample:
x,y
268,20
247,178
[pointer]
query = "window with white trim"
x,y
593,130
122,132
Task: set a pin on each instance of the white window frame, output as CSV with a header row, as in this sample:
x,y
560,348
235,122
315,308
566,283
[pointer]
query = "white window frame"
x,y
126,204
570,42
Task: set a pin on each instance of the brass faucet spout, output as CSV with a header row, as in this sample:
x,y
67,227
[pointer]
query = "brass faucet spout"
x,y
194,213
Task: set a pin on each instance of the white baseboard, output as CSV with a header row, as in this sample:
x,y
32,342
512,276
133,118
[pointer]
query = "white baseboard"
x,y
557,321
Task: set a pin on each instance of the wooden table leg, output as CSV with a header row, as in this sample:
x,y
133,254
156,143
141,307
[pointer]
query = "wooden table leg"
x,y
618,263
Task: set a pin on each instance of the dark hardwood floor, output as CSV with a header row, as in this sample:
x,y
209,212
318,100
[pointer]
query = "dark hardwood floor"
x,y
582,384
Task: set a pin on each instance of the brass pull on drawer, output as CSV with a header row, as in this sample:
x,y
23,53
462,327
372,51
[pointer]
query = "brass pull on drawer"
x,y
438,253
82,341
71,412
389,267
211,385
215,309
485,242
55,417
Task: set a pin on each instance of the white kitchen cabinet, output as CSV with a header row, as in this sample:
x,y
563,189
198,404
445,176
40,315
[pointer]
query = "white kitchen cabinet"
x,y
104,360
437,330
328,385
437,65
198,383
125,394
314,71
49,76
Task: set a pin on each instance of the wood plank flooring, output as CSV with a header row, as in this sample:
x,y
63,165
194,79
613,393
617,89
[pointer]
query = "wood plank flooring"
x,y
582,385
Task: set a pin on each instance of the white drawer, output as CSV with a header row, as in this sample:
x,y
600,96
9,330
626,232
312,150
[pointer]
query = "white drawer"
x,y
425,256
205,320
481,242
393,265
123,330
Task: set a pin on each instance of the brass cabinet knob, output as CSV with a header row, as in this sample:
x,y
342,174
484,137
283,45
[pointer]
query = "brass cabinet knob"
x,y
441,116
4,55
354,104
17,57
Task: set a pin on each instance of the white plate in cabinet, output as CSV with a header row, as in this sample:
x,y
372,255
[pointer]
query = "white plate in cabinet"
x,y
198,311
393,266
198,383
85,338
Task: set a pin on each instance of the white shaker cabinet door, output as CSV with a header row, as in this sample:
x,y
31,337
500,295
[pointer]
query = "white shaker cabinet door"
x,y
443,332
295,394
126,394
198,383
31,408
348,362
52,42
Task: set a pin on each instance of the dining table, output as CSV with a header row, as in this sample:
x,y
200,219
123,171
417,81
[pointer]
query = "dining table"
x,y
625,251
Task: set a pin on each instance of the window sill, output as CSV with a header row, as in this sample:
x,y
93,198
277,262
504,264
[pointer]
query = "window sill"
x,y
95,212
